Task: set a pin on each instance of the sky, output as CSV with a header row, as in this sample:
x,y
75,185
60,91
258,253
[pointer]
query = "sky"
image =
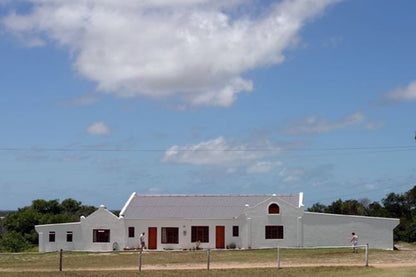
x,y
103,98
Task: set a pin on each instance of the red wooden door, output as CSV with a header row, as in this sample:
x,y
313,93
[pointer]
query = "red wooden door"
x,y
219,237
152,238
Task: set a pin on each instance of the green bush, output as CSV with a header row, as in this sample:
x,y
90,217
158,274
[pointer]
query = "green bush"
x,y
13,242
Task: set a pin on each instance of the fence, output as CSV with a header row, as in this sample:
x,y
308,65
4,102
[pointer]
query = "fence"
x,y
279,255
206,259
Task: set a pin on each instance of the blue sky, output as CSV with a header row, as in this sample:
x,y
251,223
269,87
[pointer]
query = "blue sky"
x,y
104,98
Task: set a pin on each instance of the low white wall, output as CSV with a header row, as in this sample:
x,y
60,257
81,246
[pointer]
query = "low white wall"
x,y
60,236
335,230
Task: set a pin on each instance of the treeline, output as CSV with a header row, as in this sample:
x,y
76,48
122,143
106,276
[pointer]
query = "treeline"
x,y
397,205
19,226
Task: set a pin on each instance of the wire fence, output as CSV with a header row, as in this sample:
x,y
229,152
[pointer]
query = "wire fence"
x,y
205,259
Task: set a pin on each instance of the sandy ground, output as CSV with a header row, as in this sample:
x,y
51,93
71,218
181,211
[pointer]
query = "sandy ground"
x,y
212,266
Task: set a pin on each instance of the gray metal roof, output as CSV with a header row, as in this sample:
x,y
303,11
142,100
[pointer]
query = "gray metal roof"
x,y
196,206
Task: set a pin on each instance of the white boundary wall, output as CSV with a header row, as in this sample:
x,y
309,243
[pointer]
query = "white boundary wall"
x,y
331,229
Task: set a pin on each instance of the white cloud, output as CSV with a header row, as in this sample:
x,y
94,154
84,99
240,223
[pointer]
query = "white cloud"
x,y
196,50
403,94
293,175
314,124
99,129
216,152
263,167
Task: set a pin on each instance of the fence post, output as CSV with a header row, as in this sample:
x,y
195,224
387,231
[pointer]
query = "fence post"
x,y
209,258
140,259
60,260
278,257
366,255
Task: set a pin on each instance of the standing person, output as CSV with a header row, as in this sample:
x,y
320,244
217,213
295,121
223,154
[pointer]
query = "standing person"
x,y
142,243
354,241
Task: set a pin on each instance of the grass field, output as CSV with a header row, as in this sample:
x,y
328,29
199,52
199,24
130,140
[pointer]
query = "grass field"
x,y
286,272
306,262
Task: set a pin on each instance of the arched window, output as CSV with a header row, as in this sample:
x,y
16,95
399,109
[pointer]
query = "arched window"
x,y
274,209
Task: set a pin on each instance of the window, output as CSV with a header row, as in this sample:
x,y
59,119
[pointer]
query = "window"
x,y
52,236
101,235
235,231
170,235
274,232
69,236
200,233
131,232
274,209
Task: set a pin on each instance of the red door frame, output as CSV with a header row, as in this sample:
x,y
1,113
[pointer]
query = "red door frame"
x,y
220,237
152,238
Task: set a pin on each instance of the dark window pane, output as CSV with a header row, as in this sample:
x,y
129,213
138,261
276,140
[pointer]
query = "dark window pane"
x,y
170,235
51,236
200,233
131,232
274,232
274,209
101,235
69,236
235,231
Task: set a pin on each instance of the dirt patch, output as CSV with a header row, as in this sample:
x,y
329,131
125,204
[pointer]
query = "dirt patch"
x,y
213,266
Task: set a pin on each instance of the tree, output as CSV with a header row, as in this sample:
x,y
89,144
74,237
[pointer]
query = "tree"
x,y
318,208
23,221
13,242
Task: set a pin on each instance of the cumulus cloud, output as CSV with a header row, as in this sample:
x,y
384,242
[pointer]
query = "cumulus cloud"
x,y
315,124
216,152
403,94
197,50
99,129
292,175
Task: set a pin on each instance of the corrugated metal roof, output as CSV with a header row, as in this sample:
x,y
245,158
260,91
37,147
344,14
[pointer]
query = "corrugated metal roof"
x,y
196,206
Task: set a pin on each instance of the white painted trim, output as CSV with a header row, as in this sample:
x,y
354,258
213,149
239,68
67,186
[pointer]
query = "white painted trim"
x,y
301,199
355,216
127,204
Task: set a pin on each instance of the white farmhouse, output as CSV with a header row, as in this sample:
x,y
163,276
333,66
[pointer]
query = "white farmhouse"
x,y
214,221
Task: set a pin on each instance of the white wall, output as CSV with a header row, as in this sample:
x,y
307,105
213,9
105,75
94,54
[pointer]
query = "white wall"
x,y
257,218
335,230
300,229
185,232
82,238
102,219
60,236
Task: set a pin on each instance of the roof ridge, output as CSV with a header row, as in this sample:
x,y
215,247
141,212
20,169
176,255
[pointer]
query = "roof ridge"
x,y
212,195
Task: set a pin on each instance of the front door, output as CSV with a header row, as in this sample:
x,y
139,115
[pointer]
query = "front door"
x,y
152,238
219,237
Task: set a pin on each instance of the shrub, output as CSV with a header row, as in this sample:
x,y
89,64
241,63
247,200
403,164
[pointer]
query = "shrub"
x,y
13,242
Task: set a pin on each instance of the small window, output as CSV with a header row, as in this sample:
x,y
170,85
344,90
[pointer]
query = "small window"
x,y
274,209
131,232
51,236
69,236
101,235
200,233
274,232
170,235
235,231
